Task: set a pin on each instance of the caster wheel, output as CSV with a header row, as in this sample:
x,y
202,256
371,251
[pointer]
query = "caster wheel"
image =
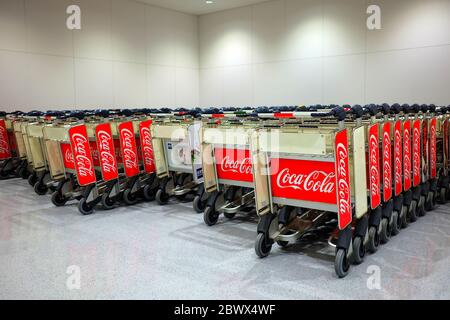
x,y
58,199
359,250
199,205
40,188
85,208
210,216
229,215
161,197
341,263
394,225
374,240
262,248
23,173
3,175
129,198
32,179
282,244
385,233
421,210
442,197
413,211
403,218
107,202
432,201
148,193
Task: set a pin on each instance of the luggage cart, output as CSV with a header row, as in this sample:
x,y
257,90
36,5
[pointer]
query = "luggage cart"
x,y
310,177
10,162
443,156
23,169
35,137
227,165
176,146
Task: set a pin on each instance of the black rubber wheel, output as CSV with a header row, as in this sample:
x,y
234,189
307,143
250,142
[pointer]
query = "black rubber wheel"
x,y
107,202
413,211
3,175
374,240
442,197
148,193
84,208
32,179
430,204
262,248
385,233
229,215
421,210
341,263
162,197
210,217
23,173
282,244
40,188
199,205
395,227
404,218
58,199
359,250
129,198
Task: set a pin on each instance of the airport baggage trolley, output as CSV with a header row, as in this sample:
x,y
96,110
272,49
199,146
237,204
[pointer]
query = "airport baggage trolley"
x,y
310,177
443,156
9,158
132,140
35,137
23,169
429,168
176,146
227,165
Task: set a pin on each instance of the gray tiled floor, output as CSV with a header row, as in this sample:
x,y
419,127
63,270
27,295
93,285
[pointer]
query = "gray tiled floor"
x,y
152,252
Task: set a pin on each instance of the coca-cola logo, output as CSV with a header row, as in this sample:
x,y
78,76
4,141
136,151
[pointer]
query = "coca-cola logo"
x,y
83,162
416,156
398,160
316,181
374,171
433,148
147,149
407,162
387,160
69,156
243,166
342,178
129,155
4,147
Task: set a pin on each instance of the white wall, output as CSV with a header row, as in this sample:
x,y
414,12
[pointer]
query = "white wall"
x,y
320,51
127,54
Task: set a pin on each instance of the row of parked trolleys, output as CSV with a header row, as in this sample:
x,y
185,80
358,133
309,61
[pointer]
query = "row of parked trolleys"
x,y
353,176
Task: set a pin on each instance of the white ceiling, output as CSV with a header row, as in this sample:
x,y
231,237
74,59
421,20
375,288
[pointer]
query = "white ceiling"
x,y
198,7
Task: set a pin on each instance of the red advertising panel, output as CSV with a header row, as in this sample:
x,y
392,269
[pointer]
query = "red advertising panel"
x,y
398,158
106,151
95,154
416,153
67,155
118,151
374,166
433,142
129,149
84,164
387,162
5,151
304,180
233,164
343,189
147,146
407,160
